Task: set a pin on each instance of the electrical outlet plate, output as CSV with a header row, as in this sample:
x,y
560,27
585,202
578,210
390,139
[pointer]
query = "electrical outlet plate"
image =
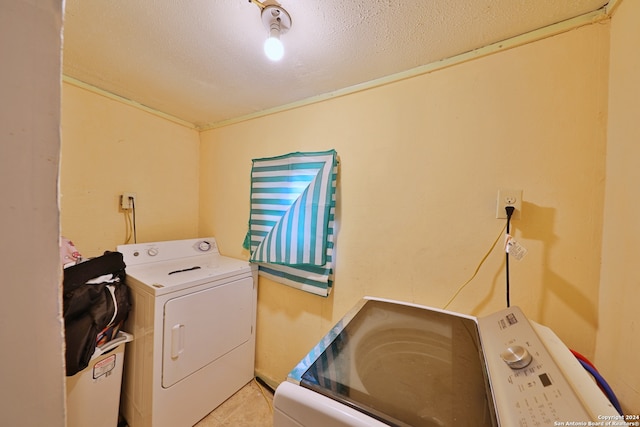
x,y
126,202
508,197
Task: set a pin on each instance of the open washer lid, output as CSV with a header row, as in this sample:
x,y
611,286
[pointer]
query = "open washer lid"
x,y
406,366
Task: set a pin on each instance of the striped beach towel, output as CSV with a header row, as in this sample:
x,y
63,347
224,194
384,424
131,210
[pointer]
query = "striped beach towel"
x,y
291,222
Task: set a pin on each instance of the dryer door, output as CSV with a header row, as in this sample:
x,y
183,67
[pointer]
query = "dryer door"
x,y
202,326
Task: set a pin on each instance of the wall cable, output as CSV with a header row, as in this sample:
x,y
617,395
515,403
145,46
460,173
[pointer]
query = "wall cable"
x,y
477,268
509,210
267,399
128,227
133,209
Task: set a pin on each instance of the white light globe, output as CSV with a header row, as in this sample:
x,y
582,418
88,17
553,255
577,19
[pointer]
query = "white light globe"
x,y
274,49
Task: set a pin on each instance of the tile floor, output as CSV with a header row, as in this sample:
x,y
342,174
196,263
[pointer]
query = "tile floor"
x,y
251,406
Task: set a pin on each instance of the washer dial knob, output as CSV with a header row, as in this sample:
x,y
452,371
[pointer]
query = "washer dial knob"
x,y
517,357
152,251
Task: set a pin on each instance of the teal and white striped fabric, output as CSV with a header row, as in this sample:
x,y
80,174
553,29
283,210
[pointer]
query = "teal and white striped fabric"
x,y
291,223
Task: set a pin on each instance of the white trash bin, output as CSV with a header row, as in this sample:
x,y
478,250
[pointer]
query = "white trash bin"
x,y
93,394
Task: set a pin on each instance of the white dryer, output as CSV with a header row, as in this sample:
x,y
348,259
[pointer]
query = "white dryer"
x,y
193,321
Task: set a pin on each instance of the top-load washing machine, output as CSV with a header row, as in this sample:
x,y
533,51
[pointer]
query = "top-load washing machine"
x,y
193,321
400,364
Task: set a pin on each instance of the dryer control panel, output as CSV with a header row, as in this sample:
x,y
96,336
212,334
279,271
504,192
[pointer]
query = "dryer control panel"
x,y
536,384
142,253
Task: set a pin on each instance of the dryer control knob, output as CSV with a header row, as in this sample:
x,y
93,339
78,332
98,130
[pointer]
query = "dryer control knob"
x,y
517,357
204,246
152,251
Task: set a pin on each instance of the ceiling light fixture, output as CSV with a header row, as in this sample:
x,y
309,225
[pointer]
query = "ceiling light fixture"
x,y
277,21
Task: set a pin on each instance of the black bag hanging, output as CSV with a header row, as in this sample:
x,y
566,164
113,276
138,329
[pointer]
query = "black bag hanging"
x,y
90,308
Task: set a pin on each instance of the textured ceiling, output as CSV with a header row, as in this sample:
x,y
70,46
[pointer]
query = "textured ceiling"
x,y
201,61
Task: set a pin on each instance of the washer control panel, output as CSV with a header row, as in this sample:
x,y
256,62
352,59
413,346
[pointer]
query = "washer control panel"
x,y
142,253
529,386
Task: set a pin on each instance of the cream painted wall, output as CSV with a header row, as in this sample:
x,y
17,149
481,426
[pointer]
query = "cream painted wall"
x,y
32,359
109,148
421,162
618,338
530,118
